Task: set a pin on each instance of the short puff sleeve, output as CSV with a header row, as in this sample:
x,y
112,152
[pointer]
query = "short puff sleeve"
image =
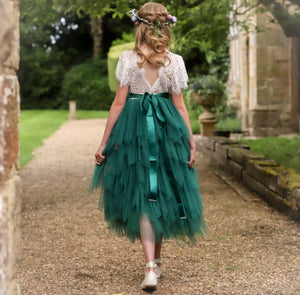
x,y
122,69
180,77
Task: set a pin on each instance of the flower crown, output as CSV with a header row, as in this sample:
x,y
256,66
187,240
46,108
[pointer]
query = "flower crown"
x,y
136,19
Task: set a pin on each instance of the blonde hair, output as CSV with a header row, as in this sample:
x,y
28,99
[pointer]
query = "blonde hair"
x,y
156,14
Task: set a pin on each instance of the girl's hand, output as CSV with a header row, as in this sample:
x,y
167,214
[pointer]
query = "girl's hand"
x,y
99,157
193,153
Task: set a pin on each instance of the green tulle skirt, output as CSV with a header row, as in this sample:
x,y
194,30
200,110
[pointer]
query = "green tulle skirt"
x,y
146,172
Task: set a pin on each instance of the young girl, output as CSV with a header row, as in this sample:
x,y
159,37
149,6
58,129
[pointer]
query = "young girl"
x,y
145,162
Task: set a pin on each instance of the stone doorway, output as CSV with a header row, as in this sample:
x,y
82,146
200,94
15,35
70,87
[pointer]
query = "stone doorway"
x,y
298,75
295,83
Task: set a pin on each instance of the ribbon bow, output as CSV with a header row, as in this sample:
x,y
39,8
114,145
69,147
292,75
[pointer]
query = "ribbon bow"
x,y
151,100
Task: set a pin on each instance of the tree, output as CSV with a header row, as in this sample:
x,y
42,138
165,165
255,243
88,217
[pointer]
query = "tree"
x,y
52,41
48,45
290,23
285,13
46,12
95,10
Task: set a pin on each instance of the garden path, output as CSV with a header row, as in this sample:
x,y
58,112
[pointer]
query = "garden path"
x,y
66,248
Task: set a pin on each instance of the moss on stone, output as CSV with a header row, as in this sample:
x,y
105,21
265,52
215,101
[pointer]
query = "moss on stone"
x,y
241,155
223,140
265,163
286,177
254,155
290,202
290,179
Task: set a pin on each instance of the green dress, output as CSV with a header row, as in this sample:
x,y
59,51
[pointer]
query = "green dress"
x,y
146,166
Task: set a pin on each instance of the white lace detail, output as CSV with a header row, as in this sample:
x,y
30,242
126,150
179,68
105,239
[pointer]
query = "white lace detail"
x,y
171,77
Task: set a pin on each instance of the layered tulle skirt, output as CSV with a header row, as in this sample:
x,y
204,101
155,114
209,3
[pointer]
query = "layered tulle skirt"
x,y
146,173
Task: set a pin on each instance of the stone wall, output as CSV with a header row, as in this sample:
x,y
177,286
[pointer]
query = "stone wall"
x,y
269,97
10,188
261,79
277,185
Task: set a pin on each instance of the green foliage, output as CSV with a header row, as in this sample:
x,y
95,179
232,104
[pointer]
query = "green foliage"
x,y
285,151
227,118
201,37
40,76
219,61
126,38
87,83
206,91
209,86
52,41
116,30
224,111
48,61
95,9
195,125
112,60
40,70
47,50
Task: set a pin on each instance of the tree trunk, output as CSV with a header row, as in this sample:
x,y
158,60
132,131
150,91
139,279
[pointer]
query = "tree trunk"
x,y
289,23
97,33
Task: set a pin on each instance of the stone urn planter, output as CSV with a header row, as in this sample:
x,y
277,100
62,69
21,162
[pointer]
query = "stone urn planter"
x,y
207,119
208,92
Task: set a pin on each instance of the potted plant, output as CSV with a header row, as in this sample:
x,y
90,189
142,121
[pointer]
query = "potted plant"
x,y
208,92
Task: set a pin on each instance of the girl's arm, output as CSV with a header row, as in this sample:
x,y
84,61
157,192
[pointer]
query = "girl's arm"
x,y
179,104
114,113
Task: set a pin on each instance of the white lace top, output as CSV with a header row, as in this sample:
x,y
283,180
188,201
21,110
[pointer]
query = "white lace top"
x,y
171,77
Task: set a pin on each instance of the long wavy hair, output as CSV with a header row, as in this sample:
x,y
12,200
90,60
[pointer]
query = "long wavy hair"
x,y
156,14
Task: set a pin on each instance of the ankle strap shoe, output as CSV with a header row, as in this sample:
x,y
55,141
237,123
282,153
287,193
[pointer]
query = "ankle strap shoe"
x,y
150,281
158,270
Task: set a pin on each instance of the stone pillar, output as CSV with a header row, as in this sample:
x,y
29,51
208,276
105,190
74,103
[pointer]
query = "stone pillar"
x,y
267,76
72,110
269,97
208,122
10,188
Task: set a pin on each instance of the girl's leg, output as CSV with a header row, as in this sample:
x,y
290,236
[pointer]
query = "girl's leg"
x,y
148,239
158,248
157,256
148,242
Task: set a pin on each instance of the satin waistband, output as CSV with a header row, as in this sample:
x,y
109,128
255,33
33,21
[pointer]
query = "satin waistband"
x,y
136,96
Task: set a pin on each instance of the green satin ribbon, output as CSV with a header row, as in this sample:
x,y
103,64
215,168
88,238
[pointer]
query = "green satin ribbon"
x,y
150,107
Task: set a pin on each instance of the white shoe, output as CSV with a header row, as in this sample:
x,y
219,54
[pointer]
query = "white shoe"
x,y
150,281
158,271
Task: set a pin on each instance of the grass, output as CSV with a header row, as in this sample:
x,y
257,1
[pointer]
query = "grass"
x,y
195,125
36,125
285,151
230,124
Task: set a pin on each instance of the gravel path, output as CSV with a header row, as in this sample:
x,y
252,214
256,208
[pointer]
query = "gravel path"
x,y
67,250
